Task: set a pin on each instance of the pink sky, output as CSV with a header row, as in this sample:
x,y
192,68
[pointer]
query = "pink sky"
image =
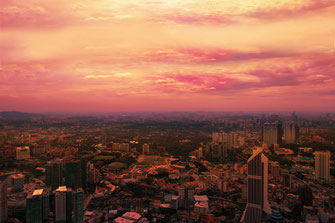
x,y
163,55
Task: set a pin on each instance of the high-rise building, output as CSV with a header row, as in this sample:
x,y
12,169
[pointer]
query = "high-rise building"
x,y
116,146
322,164
17,181
34,207
186,194
287,180
181,193
54,174
222,185
230,140
3,198
271,133
200,153
216,137
94,175
332,200
22,153
104,138
174,202
73,176
45,206
241,140
275,170
257,202
305,195
78,205
39,149
125,147
216,150
291,132
60,205
190,194
84,173
145,148
69,205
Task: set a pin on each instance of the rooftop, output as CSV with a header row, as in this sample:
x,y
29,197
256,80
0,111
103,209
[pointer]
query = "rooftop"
x,y
38,192
61,189
131,215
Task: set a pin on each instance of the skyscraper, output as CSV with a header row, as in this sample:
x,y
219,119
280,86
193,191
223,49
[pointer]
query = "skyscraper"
x,y
73,177
228,139
322,162
22,153
271,133
60,205
104,138
217,150
54,174
125,147
94,175
287,180
78,205
305,195
145,148
257,202
45,206
34,207
3,198
291,132
275,170
69,205
84,173
186,194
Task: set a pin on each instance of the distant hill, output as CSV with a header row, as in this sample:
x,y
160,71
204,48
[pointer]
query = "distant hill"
x,y
15,115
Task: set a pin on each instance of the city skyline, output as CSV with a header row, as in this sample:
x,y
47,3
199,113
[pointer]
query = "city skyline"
x,y
167,167
167,55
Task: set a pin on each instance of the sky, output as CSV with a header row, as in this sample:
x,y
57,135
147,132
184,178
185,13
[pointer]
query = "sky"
x,y
167,55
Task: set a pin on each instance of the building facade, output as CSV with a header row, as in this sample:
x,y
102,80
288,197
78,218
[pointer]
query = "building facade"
x,y
271,133
257,202
322,165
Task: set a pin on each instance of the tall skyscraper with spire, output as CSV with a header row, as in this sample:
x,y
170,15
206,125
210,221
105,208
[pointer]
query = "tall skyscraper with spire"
x,y
258,206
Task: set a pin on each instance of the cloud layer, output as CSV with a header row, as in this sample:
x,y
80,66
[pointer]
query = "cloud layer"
x,y
105,55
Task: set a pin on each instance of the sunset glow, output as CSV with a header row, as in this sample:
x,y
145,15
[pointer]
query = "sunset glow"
x,y
167,55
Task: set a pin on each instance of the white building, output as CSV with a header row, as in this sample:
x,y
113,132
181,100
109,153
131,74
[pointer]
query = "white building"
x,y
22,153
